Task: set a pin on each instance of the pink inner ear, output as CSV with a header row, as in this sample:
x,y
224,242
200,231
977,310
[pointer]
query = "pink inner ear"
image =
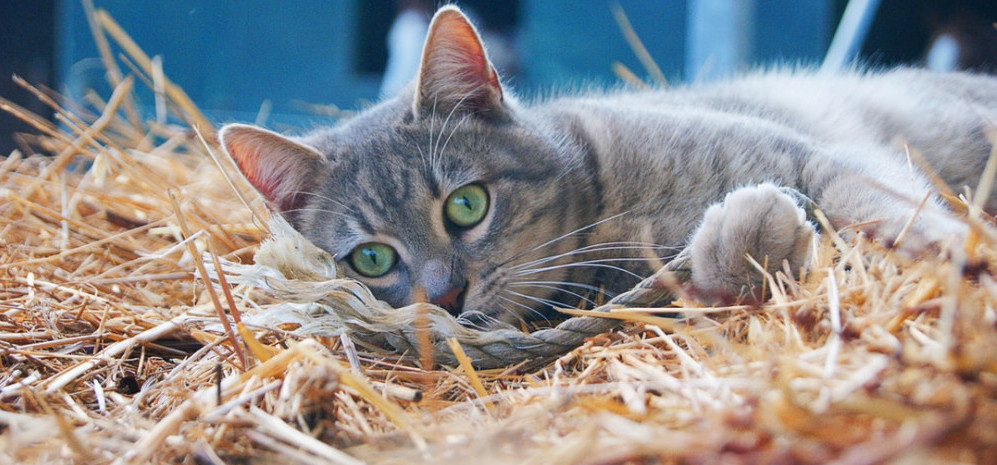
x,y
279,168
455,34
454,63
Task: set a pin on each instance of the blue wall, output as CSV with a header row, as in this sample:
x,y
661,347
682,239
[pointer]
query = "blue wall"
x,y
231,56
577,41
793,31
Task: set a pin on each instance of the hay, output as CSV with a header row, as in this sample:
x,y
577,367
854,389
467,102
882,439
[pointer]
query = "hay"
x,y
104,355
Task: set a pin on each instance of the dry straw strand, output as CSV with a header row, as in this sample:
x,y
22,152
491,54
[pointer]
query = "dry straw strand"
x,y
112,350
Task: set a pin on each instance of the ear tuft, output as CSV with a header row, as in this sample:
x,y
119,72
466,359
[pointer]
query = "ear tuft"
x,y
455,70
280,168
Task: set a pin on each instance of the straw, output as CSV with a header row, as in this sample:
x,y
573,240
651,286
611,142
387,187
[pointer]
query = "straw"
x,y
113,350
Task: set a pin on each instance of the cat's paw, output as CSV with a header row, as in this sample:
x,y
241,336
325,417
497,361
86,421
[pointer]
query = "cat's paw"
x,y
758,221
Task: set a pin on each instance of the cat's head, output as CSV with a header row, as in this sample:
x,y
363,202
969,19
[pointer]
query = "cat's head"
x,y
446,191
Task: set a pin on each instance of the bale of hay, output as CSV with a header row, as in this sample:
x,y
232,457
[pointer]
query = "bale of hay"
x,y
106,233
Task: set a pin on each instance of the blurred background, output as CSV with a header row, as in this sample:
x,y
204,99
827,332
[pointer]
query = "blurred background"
x,y
294,63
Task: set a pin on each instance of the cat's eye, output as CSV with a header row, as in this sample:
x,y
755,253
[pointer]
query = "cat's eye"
x,y
373,259
467,205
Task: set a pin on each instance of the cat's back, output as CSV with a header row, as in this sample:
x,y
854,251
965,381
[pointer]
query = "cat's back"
x,y
827,105
845,105
945,116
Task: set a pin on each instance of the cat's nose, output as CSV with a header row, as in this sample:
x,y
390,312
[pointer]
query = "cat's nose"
x,y
452,300
444,284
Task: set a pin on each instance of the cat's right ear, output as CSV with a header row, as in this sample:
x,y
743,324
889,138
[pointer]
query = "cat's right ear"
x,y
455,73
280,168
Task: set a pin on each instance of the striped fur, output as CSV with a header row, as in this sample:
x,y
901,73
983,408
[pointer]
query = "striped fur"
x,y
591,192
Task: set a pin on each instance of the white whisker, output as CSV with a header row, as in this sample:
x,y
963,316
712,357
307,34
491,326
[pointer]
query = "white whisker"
x,y
589,263
529,310
324,197
587,287
563,236
601,247
545,302
422,156
432,126
452,132
436,155
295,210
555,288
480,319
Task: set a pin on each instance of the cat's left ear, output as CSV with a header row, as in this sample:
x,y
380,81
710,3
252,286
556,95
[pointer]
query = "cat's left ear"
x,y
283,170
455,73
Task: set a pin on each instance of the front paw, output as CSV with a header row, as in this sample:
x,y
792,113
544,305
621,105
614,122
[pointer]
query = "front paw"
x,y
758,221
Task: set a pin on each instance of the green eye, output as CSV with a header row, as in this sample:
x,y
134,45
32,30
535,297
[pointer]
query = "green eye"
x,y
467,205
373,259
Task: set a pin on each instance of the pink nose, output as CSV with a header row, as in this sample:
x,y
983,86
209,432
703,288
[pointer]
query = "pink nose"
x,y
452,301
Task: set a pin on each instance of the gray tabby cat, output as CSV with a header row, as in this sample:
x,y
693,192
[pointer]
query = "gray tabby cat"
x,y
499,210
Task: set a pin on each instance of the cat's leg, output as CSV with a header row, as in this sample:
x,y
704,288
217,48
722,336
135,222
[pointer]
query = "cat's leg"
x,y
902,216
874,191
760,221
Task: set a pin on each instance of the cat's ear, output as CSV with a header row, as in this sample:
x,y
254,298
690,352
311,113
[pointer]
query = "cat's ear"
x,y
455,72
280,168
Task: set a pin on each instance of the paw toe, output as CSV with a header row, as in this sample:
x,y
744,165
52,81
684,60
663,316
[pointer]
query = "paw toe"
x,y
761,222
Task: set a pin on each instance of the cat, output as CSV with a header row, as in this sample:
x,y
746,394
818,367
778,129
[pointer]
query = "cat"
x,y
498,210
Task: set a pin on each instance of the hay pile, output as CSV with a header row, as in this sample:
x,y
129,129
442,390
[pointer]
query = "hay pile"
x,y
104,357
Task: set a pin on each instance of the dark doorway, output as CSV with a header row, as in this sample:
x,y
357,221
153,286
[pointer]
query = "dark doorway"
x,y
27,49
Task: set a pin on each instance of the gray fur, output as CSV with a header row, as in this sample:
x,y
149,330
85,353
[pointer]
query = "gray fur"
x,y
591,191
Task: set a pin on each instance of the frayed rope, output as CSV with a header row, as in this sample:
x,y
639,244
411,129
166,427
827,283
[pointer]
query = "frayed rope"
x,y
311,293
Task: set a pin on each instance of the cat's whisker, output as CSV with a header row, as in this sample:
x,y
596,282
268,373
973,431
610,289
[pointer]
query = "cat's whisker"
x,y
558,289
325,210
590,263
435,153
587,287
595,248
529,310
502,305
562,237
432,127
632,244
481,320
452,132
546,302
422,156
325,197
650,245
